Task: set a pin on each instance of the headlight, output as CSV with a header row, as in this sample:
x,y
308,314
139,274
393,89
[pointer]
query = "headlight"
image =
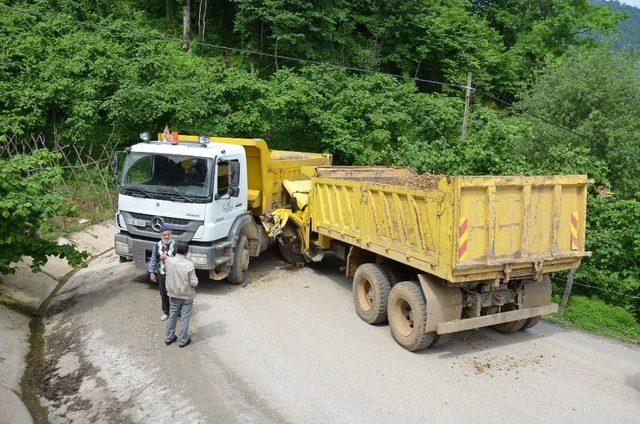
x,y
121,222
145,136
199,258
122,248
199,233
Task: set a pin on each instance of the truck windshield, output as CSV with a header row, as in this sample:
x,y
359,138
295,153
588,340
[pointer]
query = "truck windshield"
x,y
174,177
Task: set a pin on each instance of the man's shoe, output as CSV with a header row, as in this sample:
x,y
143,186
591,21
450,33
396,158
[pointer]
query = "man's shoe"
x,y
186,343
164,317
171,341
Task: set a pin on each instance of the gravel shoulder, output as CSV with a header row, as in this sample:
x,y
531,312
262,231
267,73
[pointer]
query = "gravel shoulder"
x,y
289,347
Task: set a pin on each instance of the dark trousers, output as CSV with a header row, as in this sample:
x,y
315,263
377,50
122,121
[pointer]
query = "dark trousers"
x,y
162,287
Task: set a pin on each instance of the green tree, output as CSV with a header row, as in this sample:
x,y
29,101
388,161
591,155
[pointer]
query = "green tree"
x,y
443,40
596,94
28,201
535,31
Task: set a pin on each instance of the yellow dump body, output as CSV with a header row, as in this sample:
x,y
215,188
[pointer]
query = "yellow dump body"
x,y
267,169
458,228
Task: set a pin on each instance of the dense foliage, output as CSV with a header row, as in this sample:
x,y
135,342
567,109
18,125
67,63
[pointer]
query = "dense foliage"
x,y
28,201
629,29
596,94
86,71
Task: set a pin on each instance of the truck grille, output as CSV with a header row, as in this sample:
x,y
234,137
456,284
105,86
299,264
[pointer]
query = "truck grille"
x,y
167,220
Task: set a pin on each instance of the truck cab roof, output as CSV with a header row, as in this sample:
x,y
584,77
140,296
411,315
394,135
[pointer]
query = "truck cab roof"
x,y
211,150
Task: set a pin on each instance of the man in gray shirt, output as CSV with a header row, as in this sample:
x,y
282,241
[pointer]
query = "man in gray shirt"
x,y
181,283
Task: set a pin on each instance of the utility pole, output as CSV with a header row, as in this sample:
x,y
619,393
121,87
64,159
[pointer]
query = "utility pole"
x,y
567,291
467,99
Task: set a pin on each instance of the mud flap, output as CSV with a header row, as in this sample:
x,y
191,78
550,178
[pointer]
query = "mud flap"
x,y
443,303
536,293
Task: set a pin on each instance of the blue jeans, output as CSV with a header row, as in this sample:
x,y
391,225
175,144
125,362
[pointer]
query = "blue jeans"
x,y
183,308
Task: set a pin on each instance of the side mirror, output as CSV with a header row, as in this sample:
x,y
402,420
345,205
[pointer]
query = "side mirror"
x,y
234,174
116,162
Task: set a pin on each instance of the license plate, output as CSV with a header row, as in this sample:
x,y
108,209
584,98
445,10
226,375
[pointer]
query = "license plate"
x,y
136,222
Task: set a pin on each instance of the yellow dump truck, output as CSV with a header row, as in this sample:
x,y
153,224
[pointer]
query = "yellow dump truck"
x,y
438,254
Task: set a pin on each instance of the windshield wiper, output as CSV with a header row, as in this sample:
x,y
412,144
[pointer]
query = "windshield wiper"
x,y
183,196
138,190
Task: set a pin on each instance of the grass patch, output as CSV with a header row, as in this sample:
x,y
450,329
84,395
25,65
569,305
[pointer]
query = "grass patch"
x,y
593,315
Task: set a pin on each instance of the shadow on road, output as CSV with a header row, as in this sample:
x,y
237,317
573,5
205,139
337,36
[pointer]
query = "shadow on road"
x,y
204,332
633,382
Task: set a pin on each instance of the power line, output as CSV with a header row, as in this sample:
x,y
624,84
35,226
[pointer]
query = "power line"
x,y
308,62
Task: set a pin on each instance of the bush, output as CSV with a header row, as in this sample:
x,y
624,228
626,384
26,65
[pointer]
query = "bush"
x,y
613,235
28,201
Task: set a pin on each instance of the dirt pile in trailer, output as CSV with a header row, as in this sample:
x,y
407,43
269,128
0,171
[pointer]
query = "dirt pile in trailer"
x,y
417,182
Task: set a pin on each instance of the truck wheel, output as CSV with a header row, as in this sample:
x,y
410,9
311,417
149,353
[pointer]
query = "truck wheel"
x,y
393,273
289,248
238,273
408,317
509,327
530,322
371,287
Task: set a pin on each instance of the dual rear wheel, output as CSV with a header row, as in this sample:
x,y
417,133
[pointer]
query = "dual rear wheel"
x,y
379,297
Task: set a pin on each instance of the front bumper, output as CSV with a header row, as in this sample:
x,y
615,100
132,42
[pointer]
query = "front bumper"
x,y
140,250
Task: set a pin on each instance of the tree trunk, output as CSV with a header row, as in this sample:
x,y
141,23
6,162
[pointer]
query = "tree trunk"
x,y
186,24
276,54
202,18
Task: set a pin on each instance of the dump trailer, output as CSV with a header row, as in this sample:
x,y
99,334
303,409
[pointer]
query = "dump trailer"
x,y
211,191
439,254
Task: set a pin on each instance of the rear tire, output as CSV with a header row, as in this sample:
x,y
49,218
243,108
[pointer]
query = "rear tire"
x,y
530,323
407,311
371,287
392,272
241,255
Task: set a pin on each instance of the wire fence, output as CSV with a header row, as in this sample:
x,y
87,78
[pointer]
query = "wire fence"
x,y
586,284
87,172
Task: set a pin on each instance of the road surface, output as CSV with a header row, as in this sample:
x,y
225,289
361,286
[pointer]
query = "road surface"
x,y
289,348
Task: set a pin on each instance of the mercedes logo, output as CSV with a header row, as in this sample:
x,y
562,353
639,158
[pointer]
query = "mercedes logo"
x,y
157,223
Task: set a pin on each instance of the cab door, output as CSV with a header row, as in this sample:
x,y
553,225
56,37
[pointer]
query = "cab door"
x,y
227,204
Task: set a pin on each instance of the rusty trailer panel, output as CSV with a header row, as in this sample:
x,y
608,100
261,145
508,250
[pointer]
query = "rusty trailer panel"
x,y
458,228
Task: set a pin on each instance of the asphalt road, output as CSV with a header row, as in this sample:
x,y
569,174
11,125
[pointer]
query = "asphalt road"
x,y
289,347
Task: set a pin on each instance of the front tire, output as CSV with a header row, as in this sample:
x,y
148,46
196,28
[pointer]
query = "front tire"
x,y
371,287
290,247
241,255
